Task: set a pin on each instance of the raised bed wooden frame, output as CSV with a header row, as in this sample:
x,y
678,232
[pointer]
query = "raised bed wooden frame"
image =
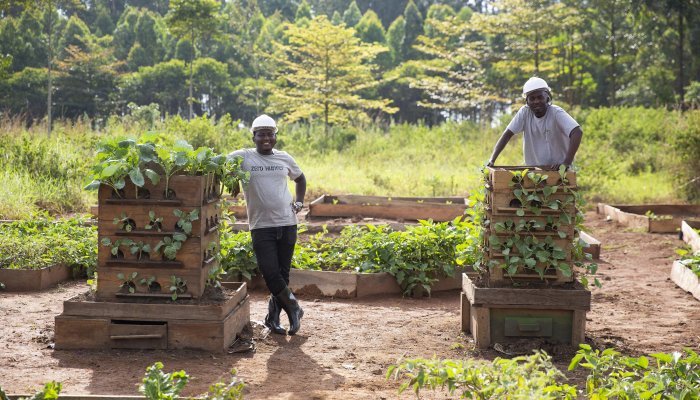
x,y
438,209
690,235
503,315
634,216
685,279
32,280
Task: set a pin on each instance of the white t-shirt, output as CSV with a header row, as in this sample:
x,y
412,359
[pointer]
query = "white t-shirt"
x,y
268,200
546,140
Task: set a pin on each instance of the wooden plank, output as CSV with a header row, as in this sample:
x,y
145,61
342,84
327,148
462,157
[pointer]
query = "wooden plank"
x,y
634,215
152,311
190,190
481,326
574,299
376,283
191,254
209,215
31,280
685,279
578,328
235,322
108,284
324,283
72,332
665,225
405,208
501,176
138,335
592,245
689,233
465,315
661,209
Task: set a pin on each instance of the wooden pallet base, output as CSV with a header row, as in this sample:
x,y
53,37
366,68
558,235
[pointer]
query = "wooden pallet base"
x,y
119,325
506,315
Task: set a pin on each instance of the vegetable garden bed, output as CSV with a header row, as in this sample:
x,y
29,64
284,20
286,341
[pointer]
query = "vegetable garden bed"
x,y
690,233
654,218
32,280
685,278
397,208
592,245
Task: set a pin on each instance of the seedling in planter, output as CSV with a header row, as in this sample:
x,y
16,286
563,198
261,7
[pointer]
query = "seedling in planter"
x,y
151,283
177,286
184,223
141,249
231,174
2,286
114,246
118,159
169,246
172,161
125,223
154,223
655,217
128,281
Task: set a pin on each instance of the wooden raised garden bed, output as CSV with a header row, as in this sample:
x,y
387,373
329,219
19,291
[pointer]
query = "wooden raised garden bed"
x,y
686,279
690,234
156,324
654,218
32,280
353,285
438,209
592,245
506,315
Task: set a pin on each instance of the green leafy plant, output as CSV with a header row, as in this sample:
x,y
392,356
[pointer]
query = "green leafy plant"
x,y
652,216
226,391
665,376
178,286
124,222
185,219
128,284
114,246
150,283
154,222
237,255
172,160
525,377
158,385
118,158
232,175
140,249
690,260
170,245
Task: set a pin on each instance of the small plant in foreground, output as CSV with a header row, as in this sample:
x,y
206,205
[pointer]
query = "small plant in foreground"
x,y
158,385
154,222
128,281
50,391
177,286
169,246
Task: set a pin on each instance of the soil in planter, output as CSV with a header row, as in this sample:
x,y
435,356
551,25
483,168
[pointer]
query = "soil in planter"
x,y
118,194
210,296
142,193
169,194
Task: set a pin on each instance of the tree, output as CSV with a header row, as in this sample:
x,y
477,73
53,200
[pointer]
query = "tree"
x,y
323,72
394,37
160,84
413,28
352,15
452,76
303,11
193,19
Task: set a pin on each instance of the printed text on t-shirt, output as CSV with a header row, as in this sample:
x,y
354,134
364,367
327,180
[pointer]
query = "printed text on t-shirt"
x,y
266,168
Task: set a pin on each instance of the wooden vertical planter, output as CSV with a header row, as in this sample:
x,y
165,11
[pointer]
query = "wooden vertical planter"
x,y
195,258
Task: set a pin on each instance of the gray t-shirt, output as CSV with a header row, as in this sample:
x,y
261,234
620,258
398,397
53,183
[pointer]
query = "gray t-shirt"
x,y
546,139
268,200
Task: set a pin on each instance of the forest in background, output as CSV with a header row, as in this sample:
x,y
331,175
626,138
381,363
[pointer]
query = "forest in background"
x,y
338,61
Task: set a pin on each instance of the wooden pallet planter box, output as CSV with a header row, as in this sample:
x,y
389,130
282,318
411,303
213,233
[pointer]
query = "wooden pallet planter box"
x,y
685,279
690,235
500,177
347,285
438,209
506,315
668,216
158,324
32,280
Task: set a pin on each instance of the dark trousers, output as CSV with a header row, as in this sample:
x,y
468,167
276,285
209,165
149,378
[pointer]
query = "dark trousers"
x,y
274,248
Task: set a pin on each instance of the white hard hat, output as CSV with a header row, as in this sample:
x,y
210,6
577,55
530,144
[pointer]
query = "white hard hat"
x,y
535,83
263,121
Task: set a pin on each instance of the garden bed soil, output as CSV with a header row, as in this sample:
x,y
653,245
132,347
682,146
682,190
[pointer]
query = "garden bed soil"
x,y
396,208
666,218
32,280
345,345
690,235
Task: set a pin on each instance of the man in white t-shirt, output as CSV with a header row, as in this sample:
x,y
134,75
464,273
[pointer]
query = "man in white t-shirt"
x,y
551,136
272,218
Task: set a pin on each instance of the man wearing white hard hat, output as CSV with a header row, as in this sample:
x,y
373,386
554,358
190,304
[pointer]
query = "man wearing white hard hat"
x,y
272,218
551,136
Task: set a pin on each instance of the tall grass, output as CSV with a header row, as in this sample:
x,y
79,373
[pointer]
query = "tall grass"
x,y
631,155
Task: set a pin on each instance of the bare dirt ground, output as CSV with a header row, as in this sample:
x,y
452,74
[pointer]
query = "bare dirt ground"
x,y
345,346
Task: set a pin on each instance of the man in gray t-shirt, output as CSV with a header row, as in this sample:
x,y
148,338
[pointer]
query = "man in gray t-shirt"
x,y
272,218
551,136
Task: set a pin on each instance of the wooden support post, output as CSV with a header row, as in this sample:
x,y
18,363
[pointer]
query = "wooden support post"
x,y
481,326
465,313
578,327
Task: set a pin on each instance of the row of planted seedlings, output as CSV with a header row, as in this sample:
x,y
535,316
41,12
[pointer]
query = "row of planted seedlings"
x,y
159,215
527,256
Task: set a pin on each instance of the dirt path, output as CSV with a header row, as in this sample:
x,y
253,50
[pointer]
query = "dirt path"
x,y
345,346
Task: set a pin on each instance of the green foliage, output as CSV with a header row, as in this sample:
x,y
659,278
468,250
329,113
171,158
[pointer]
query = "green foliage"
x,y
177,286
531,377
690,260
226,391
41,241
237,255
666,376
158,385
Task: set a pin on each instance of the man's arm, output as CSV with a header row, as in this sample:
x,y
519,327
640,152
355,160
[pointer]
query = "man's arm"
x,y
300,188
574,142
500,145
